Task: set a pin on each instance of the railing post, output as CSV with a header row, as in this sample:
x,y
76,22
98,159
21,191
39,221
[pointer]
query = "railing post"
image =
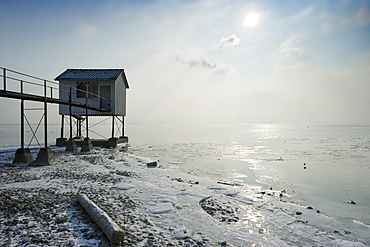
x,y
4,79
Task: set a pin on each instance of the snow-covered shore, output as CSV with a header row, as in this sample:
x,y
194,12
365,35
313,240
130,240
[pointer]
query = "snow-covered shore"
x,y
155,206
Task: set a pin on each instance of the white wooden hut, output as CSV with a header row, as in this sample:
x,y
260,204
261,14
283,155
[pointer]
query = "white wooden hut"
x,y
105,88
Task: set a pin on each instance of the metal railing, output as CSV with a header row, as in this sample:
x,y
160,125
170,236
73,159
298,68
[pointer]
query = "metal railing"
x,y
48,88
27,87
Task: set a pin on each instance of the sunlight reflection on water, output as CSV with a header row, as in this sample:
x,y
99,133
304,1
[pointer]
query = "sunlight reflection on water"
x,y
266,131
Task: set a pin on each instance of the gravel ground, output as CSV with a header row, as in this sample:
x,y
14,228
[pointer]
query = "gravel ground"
x,y
39,207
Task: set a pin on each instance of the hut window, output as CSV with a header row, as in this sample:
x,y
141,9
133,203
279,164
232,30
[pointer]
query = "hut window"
x,y
81,89
93,90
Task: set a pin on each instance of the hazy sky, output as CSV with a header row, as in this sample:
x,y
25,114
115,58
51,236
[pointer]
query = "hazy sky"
x,y
203,61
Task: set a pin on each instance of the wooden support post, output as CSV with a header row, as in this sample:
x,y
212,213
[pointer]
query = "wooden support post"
x,y
123,125
4,79
61,141
87,126
62,128
22,123
45,116
87,120
79,123
22,118
86,144
77,128
70,113
113,126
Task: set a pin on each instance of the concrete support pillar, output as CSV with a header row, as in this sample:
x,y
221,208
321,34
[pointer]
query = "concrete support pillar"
x,y
22,157
123,139
112,142
60,142
87,145
71,146
45,157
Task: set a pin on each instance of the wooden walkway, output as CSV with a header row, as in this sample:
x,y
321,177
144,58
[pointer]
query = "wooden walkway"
x,y
31,97
21,86
13,79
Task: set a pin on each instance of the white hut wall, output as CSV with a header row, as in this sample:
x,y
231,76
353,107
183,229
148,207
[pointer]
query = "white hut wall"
x,y
64,90
120,96
80,96
106,92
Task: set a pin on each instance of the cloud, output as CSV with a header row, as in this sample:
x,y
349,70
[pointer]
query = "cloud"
x,y
85,30
327,26
362,17
202,62
230,41
304,13
291,47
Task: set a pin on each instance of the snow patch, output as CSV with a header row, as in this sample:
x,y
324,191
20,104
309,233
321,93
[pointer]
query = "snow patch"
x,y
161,208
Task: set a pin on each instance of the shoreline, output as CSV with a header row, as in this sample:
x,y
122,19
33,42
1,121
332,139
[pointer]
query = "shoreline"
x,y
156,206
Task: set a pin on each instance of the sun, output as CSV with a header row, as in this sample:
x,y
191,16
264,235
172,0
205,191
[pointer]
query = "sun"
x,y
251,19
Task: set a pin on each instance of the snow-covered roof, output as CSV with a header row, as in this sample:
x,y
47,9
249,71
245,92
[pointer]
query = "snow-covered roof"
x,y
90,74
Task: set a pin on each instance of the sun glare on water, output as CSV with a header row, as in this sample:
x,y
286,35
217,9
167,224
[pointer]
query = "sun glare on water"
x,y
251,19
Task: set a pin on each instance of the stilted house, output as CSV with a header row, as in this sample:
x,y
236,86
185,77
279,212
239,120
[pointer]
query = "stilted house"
x,y
103,88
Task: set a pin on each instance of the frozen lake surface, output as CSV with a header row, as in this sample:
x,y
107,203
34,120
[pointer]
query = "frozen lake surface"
x,y
240,184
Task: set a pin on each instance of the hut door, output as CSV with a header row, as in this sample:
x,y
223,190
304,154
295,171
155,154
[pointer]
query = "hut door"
x,y
105,93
